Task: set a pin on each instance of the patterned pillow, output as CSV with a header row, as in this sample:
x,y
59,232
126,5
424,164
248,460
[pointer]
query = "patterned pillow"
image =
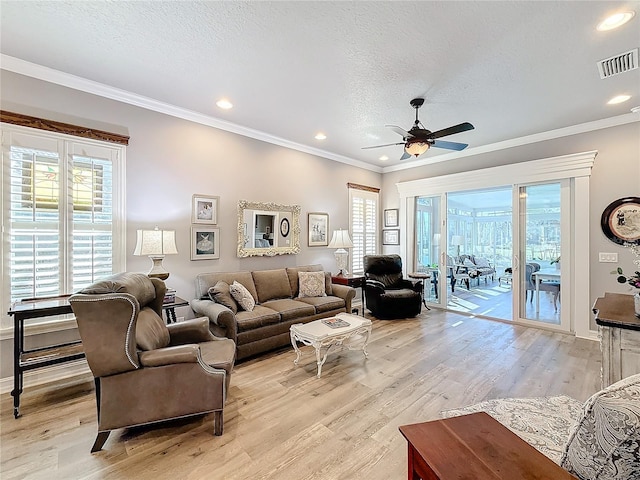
x,y
242,296
312,284
606,441
220,293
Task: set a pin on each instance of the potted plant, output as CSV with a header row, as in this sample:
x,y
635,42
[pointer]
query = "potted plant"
x,y
556,261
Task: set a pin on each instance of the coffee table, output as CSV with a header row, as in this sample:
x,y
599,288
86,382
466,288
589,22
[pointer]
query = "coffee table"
x,y
319,336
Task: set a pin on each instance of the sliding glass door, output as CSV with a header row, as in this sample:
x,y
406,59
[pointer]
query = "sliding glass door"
x,y
497,253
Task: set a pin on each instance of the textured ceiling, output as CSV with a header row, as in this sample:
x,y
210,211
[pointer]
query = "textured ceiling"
x,y
345,68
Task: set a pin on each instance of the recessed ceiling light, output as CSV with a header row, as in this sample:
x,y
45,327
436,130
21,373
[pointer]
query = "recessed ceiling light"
x,y
224,104
384,158
320,136
618,99
615,21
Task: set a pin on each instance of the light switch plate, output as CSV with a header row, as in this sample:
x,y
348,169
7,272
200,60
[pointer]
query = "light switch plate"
x,y
608,257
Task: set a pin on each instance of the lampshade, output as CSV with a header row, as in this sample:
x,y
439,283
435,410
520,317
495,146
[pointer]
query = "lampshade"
x,y
457,240
156,244
341,240
416,148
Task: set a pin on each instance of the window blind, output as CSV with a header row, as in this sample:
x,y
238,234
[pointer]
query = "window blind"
x,y
61,209
364,226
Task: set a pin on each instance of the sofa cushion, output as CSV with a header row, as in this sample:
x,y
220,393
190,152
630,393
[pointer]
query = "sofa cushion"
x,y
204,281
324,304
151,331
290,309
606,441
294,280
242,296
259,317
312,284
221,294
271,284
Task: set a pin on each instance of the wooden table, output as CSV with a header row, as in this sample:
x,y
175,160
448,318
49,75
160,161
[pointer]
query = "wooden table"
x,y
474,447
354,281
170,308
619,336
23,359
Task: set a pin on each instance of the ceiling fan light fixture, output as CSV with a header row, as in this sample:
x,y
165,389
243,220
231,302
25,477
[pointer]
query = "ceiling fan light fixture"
x,y
416,148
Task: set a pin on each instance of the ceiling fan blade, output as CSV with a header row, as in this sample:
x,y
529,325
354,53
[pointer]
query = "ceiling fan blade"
x,y
450,145
463,127
399,131
404,156
385,145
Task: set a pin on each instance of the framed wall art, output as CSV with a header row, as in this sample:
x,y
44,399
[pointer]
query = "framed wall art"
x,y
620,221
205,243
204,209
318,229
391,237
391,217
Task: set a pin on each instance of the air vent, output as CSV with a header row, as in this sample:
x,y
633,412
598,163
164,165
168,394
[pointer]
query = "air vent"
x,y
621,63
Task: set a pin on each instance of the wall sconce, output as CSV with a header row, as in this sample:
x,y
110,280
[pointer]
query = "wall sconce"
x,y
156,244
341,240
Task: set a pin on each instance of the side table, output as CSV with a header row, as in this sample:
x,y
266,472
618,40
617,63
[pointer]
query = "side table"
x,y
474,446
355,281
29,359
170,308
424,276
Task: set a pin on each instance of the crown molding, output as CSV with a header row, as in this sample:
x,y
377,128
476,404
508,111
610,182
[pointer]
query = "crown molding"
x,y
47,74
516,142
22,67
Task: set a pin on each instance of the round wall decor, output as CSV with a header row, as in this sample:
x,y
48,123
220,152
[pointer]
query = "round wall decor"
x,y
284,227
620,221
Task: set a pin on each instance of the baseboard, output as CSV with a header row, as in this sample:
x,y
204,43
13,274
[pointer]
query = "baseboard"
x,y
53,373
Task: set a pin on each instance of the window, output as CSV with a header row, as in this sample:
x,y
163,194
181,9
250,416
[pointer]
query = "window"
x,y
363,219
62,212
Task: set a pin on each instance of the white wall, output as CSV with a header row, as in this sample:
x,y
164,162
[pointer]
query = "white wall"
x,y
616,174
168,160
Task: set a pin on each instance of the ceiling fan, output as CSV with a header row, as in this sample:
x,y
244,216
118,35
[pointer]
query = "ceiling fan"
x,y
418,140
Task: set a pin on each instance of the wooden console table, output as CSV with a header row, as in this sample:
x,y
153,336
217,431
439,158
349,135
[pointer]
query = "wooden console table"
x,y
619,331
24,360
474,447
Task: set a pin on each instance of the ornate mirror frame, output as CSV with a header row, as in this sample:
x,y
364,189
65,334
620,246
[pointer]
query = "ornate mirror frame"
x,y
282,244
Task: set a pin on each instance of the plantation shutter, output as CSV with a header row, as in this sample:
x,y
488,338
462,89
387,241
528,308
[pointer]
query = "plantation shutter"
x,y
60,207
364,225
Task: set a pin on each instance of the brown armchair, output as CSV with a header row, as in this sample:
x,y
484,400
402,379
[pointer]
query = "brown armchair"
x,y
144,370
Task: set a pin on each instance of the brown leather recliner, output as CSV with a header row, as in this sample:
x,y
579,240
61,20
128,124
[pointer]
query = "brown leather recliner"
x,y
146,371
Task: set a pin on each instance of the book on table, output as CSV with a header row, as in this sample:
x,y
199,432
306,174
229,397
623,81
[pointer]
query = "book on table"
x,y
335,322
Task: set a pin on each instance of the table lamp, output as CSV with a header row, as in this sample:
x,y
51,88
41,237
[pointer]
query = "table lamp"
x,y
156,244
341,240
457,240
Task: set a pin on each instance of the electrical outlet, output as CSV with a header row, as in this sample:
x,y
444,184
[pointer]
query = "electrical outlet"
x,y
608,257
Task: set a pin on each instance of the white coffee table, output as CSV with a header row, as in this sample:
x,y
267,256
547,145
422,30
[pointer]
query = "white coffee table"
x,y
319,336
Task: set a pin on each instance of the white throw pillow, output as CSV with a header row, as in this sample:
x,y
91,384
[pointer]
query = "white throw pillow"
x,y
482,263
240,293
311,284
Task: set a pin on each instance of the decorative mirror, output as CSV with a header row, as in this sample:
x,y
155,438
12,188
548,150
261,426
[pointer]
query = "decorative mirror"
x,y
268,229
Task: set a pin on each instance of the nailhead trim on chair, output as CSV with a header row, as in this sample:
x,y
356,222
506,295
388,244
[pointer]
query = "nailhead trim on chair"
x,y
129,328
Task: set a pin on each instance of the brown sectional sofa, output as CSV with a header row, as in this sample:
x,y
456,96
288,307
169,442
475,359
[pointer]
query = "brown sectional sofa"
x,y
278,307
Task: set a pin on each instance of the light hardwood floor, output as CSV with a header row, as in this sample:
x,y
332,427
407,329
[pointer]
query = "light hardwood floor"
x,y
281,422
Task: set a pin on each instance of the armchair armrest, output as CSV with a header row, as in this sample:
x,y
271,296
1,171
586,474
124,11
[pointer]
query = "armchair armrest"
x,y
374,285
222,321
191,331
169,355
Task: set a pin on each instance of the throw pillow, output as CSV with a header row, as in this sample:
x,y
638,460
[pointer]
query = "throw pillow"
x,y
242,296
606,439
220,293
312,284
482,263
